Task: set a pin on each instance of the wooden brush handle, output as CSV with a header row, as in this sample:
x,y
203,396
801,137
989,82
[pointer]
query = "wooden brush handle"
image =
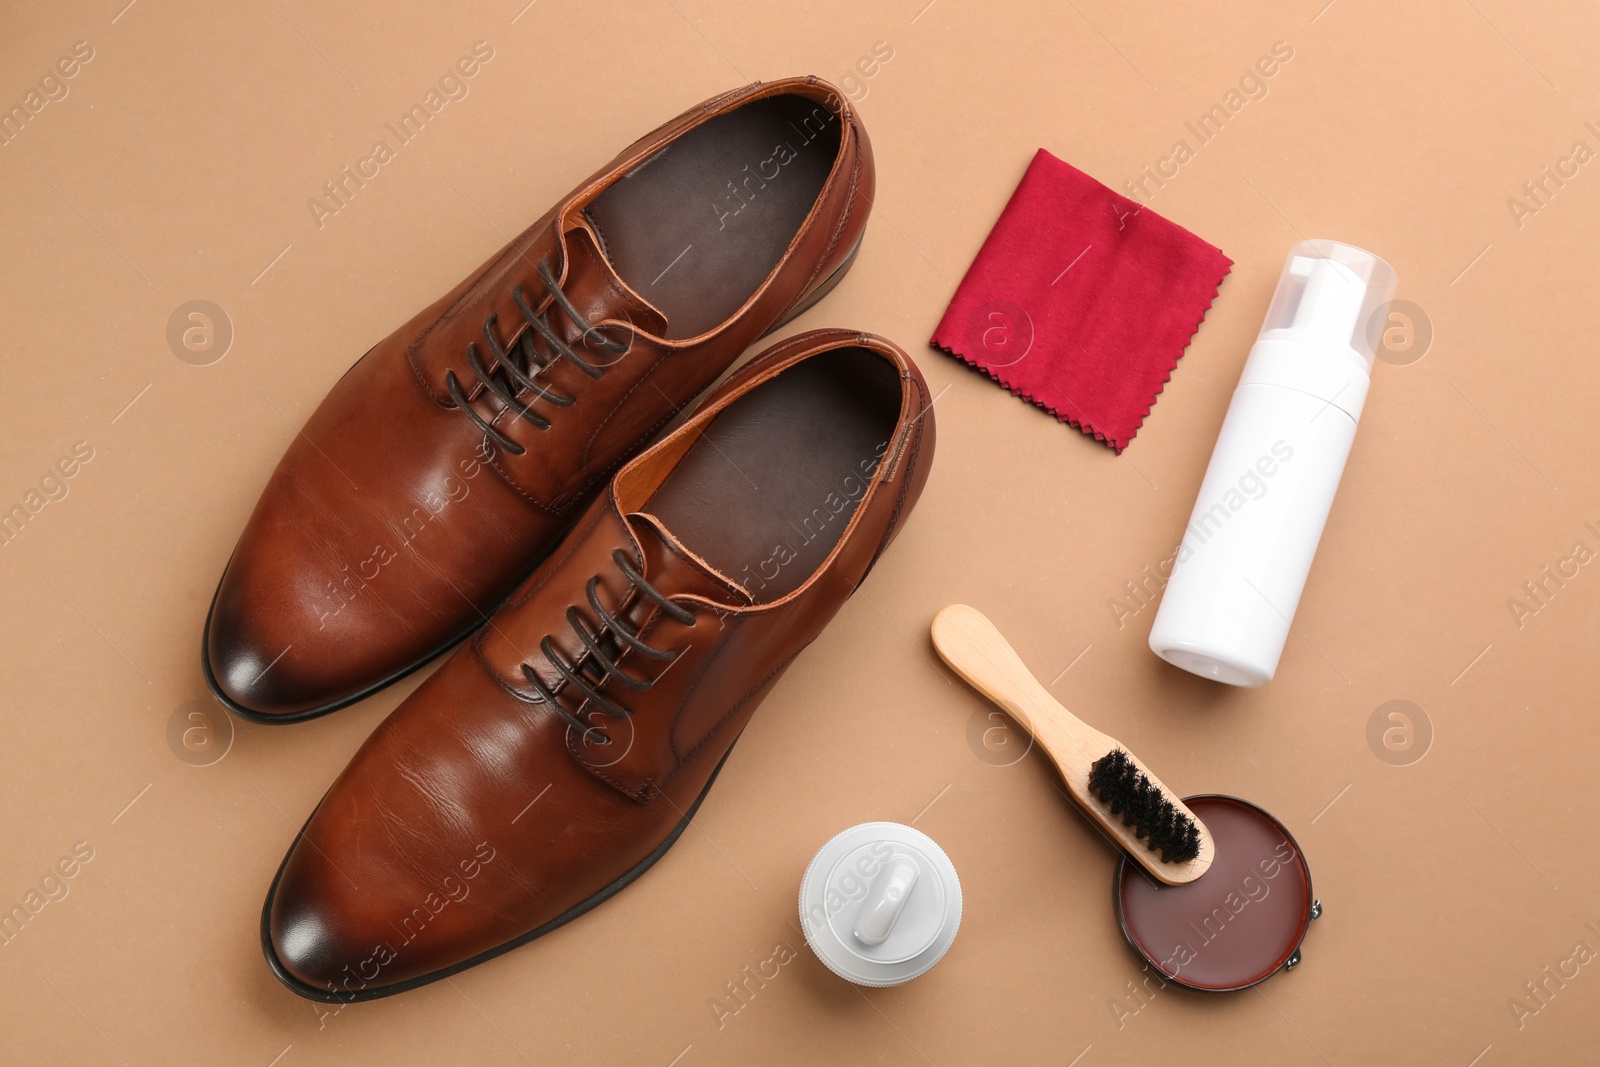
x,y
975,650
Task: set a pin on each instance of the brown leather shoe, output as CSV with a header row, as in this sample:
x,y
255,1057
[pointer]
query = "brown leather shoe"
x,y
452,457
560,752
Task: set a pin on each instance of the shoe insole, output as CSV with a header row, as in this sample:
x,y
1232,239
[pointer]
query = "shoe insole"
x,y
765,492
698,226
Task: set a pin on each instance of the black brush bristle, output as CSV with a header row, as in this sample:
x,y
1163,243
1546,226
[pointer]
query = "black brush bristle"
x,y
1128,793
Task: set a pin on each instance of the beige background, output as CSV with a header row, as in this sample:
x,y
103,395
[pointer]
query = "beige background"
x,y
178,168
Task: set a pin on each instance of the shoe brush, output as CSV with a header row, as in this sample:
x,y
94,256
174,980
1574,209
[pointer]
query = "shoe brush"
x,y
1140,814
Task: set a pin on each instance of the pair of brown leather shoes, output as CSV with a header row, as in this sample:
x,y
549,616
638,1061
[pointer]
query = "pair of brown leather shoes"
x,y
564,747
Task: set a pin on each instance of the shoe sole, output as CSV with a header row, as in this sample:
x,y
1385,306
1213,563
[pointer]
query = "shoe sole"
x,y
328,996
270,719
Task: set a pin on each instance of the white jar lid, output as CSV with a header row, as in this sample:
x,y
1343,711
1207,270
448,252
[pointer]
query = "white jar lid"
x,y
880,904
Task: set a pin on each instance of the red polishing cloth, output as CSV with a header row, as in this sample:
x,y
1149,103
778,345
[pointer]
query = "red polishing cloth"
x,y
1081,301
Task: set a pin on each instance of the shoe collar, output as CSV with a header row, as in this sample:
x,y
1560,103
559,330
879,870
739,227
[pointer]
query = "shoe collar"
x,y
571,214
638,479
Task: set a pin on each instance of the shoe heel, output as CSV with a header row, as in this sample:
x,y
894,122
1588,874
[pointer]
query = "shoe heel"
x,y
820,291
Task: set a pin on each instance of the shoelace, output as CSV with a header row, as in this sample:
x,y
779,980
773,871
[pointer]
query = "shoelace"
x,y
523,379
609,670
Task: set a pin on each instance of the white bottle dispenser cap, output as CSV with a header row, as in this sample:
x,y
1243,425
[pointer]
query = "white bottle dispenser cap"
x,y
1330,300
880,904
1319,336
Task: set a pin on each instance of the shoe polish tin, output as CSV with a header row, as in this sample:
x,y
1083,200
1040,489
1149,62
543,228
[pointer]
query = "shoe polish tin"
x,y
880,904
1240,923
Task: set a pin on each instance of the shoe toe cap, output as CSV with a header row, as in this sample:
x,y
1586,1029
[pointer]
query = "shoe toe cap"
x,y
306,944
315,937
250,655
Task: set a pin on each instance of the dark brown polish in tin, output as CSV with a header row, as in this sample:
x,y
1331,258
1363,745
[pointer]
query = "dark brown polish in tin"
x,y
1241,921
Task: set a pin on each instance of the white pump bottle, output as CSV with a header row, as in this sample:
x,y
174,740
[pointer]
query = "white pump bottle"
x,y
1243,561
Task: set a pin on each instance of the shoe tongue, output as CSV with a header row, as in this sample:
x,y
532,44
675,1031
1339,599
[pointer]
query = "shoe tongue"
x,y
676,571
597,290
